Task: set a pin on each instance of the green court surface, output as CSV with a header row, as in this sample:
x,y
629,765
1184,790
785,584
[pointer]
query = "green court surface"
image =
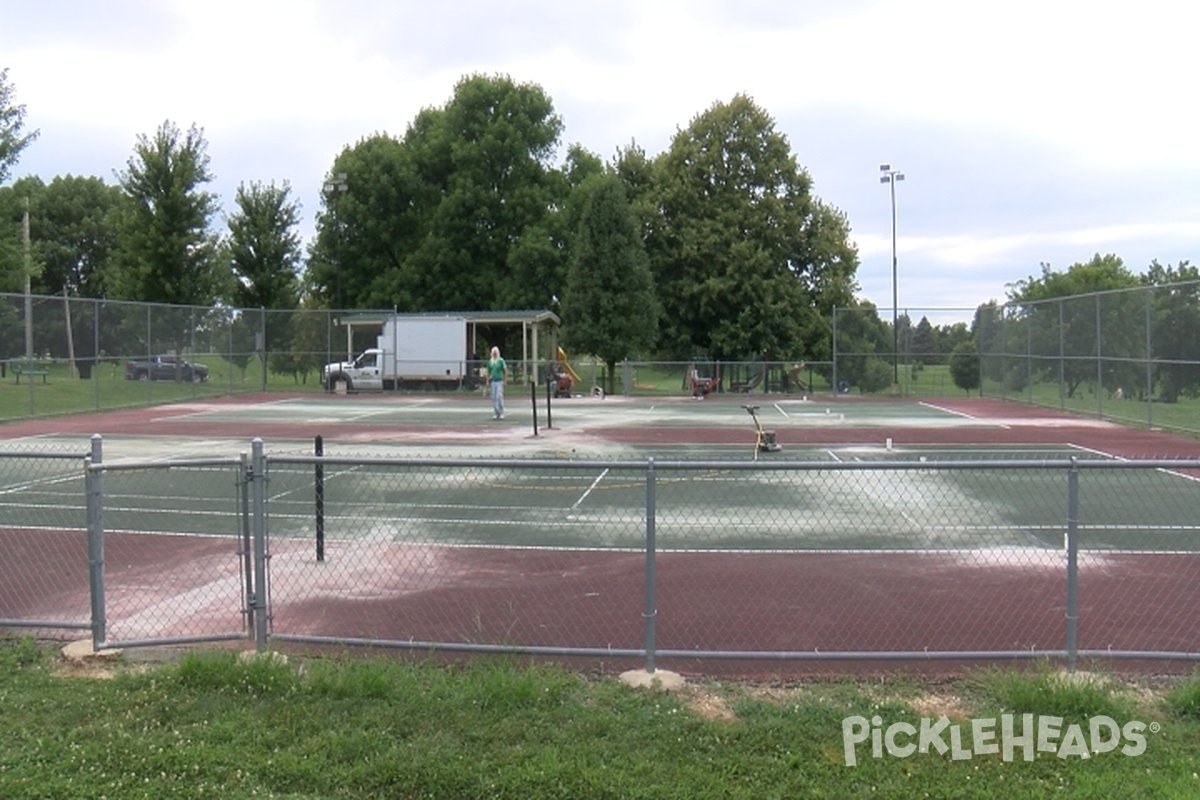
x,y
589,490
449,410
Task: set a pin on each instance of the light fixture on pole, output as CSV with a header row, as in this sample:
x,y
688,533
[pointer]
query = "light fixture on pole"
x,y
337,185
890,176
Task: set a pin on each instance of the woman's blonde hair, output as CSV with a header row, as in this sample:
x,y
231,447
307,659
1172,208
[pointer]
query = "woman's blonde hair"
x,y
495,352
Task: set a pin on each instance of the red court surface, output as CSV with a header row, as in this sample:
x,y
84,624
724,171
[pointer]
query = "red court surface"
x,y
814,602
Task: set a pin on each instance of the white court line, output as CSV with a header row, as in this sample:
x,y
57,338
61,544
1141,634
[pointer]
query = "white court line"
x,y
1095,452
781,411
595,483
962,414
39,483
834,456
1102,454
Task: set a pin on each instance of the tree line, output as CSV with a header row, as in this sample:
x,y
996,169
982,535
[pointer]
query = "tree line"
x,y
716,248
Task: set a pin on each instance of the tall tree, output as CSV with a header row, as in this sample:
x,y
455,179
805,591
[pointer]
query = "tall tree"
x,y
22,197
168,253
738,247
372,220
1065,321
988,333
12,123
264,253
488,152
923,345
539,259
76,235
454,216
1175,301
264,247
609,300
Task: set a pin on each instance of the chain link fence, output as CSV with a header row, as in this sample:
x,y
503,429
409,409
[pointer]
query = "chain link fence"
x,y
686,561
1130,355
910,355
43,523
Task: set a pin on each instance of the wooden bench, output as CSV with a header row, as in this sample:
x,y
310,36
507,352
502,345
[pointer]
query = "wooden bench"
x,y
31,370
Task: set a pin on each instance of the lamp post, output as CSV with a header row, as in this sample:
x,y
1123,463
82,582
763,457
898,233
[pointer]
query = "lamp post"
x,y
334,187
890,176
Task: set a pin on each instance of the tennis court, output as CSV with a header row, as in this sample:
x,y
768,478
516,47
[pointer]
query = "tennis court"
x,y
440,524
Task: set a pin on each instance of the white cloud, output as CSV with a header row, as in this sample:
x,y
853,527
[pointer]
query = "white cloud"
x,y
1079,113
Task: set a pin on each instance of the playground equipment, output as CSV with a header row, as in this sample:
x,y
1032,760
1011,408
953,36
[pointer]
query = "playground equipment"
x,y
701,386
748,386
795,379
764,441
563,377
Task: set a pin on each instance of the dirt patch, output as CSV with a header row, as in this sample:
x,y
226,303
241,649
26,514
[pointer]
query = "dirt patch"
x,y
708,705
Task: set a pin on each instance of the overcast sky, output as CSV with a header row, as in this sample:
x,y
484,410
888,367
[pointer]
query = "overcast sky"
x,y
1029,131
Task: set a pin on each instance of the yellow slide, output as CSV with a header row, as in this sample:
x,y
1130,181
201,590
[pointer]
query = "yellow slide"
x,y
562,359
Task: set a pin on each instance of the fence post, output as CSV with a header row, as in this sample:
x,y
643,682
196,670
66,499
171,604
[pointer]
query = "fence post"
x,y
258,486
244,480
651,610
93,480
834,356
1072,563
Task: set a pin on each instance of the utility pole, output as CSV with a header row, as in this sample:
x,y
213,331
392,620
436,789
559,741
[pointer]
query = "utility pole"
x,y
28,289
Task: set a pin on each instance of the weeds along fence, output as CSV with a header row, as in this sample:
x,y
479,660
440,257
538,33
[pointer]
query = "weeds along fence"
x,y
638,561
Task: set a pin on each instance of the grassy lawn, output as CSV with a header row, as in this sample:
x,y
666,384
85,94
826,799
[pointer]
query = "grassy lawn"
x,y
1182,416
106,389
209,725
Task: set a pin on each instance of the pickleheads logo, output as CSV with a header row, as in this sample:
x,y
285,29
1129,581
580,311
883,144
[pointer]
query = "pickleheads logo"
x,y
1009,736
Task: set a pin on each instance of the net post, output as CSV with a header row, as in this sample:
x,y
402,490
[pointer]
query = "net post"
x,y
533,402
319,495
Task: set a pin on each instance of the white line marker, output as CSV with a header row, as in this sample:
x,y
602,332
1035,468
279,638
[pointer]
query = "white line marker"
x,y
595,483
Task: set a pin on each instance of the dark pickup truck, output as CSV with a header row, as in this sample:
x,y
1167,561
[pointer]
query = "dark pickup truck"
x,y
165,368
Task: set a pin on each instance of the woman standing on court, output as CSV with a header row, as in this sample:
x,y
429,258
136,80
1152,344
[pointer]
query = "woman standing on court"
x,y
497,373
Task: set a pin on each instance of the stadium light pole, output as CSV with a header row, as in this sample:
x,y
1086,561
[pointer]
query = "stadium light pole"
x,y
334,187
890,176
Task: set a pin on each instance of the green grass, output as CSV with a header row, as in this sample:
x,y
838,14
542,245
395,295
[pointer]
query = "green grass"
x,y
1182,416
106,389
211,725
